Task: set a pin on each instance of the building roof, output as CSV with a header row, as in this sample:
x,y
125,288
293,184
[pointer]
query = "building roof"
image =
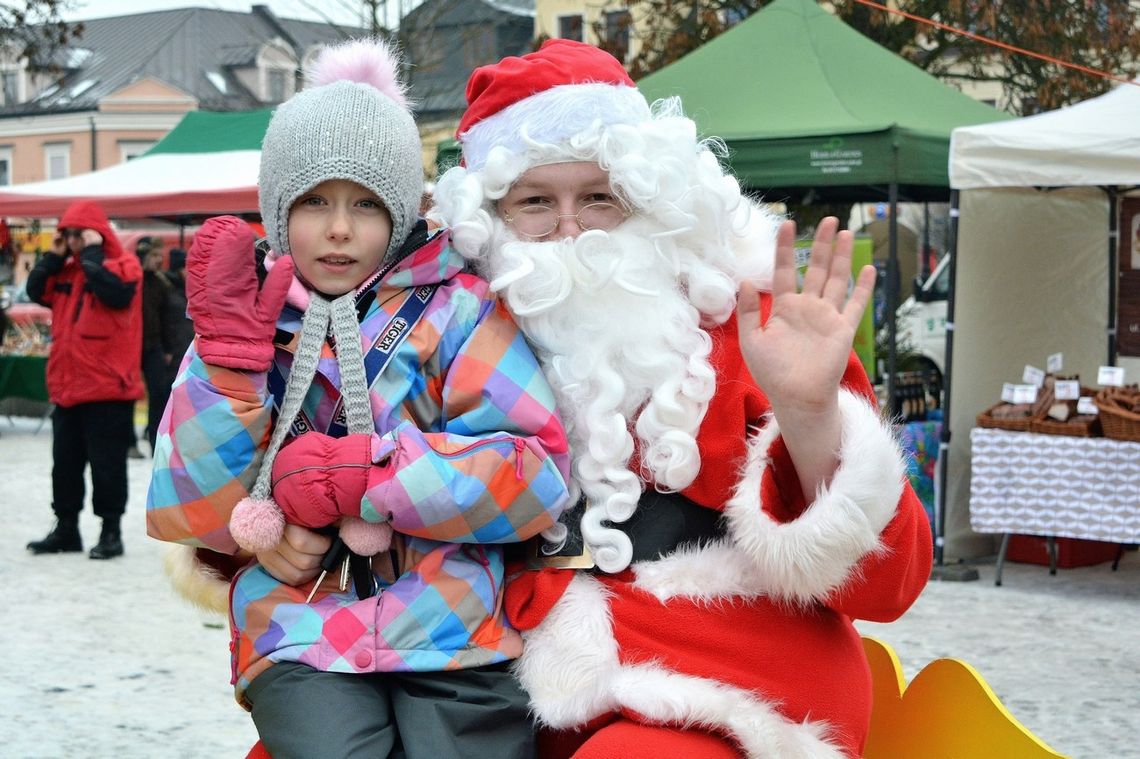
x,y
192,49
447,39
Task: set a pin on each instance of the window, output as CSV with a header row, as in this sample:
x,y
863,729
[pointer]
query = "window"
x,y
132,149
5,167
218,80
57,160
275,85
617,34
570,27
10,85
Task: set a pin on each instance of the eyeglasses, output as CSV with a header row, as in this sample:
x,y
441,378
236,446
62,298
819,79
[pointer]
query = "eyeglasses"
x,y
72,233
539,221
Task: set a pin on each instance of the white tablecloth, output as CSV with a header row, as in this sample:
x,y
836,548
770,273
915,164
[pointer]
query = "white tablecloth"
x,y
1070,487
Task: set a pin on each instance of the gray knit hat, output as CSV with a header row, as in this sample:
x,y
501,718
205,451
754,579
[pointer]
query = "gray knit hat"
x,y
352,123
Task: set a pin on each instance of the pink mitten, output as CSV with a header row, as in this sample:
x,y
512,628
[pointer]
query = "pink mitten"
x,y
235,321
317,478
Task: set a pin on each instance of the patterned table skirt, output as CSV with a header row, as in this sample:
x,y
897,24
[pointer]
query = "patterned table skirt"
x,y
1054,485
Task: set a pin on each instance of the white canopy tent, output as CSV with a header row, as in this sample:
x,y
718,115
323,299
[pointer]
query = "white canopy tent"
x,y
1034,219
206,165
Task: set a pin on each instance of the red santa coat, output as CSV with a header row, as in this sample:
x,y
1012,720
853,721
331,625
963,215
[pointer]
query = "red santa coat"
x,y
751,636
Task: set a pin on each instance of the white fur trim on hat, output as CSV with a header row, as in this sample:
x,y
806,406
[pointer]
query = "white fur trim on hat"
x,y
809,557
571,669
552,116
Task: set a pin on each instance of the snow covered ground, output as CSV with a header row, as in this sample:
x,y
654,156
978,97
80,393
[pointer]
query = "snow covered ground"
x,y
104,661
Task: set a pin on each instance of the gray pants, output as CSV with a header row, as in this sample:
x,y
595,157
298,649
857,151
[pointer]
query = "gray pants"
x,y
301,713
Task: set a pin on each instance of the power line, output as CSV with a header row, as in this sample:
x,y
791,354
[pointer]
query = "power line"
x,y
998,43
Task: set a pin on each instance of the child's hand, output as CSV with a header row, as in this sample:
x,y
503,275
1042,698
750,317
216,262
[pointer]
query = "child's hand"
x,y
235,321
799,356
296,559
317,478
320,480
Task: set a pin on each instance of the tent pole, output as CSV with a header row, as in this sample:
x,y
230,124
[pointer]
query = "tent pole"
x,y
943,571
1113,241
948,365
925,241
892,291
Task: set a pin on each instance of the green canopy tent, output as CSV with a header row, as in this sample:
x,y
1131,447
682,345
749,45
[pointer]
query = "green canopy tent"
x,y
811,110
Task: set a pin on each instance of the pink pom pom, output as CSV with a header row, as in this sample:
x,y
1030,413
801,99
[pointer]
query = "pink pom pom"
x,y
369,61
257,525
365,538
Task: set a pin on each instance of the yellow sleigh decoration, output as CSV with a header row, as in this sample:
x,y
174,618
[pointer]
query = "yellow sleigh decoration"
x,y
947,712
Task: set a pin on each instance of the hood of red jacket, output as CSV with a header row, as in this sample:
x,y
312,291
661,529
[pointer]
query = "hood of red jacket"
x,y
87,214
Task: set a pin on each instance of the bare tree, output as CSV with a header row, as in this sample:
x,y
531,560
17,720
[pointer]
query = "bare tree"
x,y
1098,34
35,29
1103,35
668,29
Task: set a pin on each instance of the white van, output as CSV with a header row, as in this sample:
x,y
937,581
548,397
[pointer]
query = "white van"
x,y
921,325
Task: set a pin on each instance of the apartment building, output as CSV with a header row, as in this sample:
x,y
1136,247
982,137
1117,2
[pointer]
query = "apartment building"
x,y
111,94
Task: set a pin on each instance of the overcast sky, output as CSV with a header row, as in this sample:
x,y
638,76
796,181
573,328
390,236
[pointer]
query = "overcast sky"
x,y
339,11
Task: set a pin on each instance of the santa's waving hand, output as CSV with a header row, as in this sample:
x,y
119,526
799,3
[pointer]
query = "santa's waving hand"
x,y
800,354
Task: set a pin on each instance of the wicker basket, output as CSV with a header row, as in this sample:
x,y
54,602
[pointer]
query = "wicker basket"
x,y
987,419
1117,420
1020,424
1084,425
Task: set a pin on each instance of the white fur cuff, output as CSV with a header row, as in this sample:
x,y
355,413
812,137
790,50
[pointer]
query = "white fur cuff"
x,y
572,670
196,582
813,555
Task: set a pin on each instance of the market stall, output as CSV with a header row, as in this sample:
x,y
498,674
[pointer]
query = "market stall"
x,y
1037,269
23,367
206,165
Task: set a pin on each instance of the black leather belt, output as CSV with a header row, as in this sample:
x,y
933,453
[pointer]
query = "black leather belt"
x,y
662,523
666,521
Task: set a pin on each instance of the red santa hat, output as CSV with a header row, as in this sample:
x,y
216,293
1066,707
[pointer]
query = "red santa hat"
x,y
545,97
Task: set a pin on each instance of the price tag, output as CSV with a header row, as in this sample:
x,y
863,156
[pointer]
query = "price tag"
x,y
1033,376
1024,393
1110,376
1067,390
1055,362
1007,392
1086,406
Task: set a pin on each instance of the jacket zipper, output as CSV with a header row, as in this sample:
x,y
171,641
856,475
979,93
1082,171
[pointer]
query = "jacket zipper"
x,y
517,444
79,306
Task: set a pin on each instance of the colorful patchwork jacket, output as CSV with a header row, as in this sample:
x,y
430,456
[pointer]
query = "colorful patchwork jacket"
x,y
481,461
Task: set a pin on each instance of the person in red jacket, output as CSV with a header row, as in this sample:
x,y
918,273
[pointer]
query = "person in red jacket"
x,y
93,373
743,501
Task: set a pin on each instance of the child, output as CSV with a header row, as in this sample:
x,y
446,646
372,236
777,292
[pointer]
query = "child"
x,y
424,411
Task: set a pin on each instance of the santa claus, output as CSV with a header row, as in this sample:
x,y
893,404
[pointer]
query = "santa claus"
x,y
742,499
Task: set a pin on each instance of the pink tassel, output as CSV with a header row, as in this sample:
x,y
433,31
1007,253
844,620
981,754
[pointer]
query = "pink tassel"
x,y
369,61
365,538
257,525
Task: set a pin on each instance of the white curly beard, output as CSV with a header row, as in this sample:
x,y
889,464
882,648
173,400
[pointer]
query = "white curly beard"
x,y
623,348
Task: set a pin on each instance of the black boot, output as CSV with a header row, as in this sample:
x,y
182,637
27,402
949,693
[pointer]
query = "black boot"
x,y
110,542
63,538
